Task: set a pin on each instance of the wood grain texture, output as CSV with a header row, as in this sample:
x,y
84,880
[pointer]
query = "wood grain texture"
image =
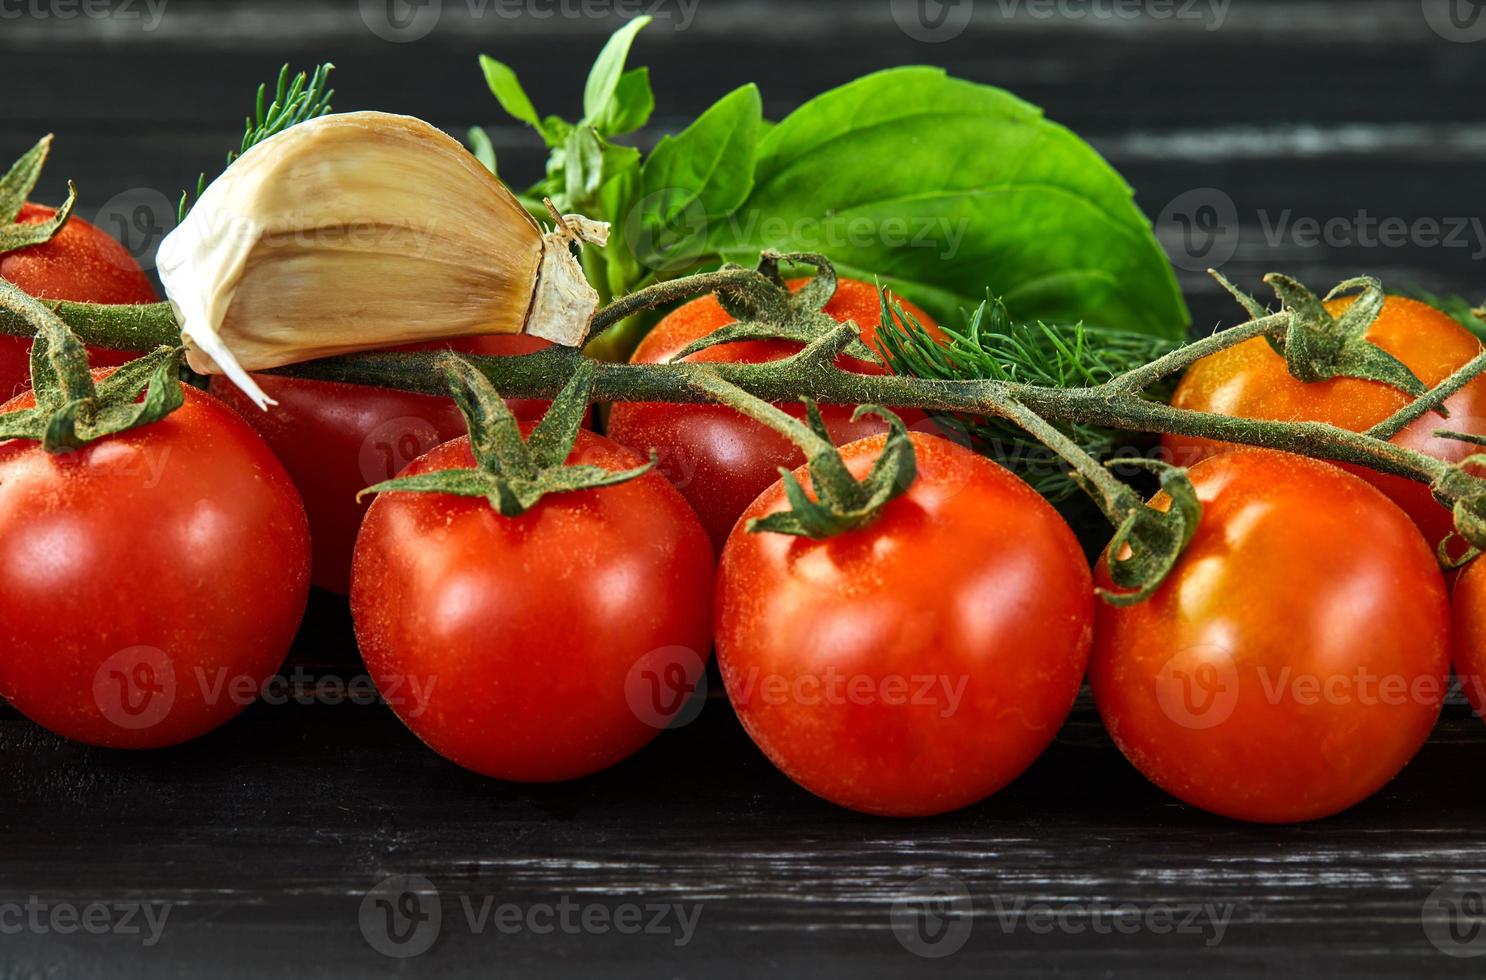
x,y
265,837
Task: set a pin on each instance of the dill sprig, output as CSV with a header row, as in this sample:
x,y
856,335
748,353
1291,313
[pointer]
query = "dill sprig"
x,y
295,100
994,347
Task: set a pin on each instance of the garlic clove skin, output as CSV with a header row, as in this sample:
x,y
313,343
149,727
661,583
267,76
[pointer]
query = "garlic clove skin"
x,y
359,231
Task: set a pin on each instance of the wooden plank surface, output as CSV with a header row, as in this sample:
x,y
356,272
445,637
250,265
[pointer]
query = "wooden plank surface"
x,y
264,839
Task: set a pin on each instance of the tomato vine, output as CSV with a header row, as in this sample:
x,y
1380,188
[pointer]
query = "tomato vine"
x,y
1118,403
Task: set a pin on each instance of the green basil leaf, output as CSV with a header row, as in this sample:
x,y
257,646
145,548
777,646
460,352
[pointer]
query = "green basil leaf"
x,y
480,145
512,97
692,180
588,162
603,78
631,106
945,188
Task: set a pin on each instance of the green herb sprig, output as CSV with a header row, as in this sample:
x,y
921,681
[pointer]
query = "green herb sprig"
x,y
295,100
940,186
995,347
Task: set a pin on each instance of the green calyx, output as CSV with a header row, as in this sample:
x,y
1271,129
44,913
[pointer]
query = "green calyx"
x,y
765,309
1318,346
842,502
1155,538
510,472
15,187
71,410
1465,494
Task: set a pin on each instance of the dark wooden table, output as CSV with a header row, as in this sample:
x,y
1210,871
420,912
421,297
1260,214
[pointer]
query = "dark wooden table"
x,y
269,842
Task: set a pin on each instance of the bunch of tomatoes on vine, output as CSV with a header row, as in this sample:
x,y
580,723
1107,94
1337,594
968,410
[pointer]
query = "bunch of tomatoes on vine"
x,y
901,623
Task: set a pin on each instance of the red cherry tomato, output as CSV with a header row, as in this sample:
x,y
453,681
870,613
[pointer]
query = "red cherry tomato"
x,y
718,458
920,663
530,648
1251,381
1468,601
152,581
1296,657
336,440
81,263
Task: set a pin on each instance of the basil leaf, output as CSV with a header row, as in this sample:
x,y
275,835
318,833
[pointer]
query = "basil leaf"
x,y
603,78
512,97
589,162
692,180
480,145
631,106
945,188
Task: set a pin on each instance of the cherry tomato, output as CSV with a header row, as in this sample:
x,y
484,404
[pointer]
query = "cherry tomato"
x,y
152,581
718,458
919,663
1251,381
1294,659
1468,601
81,263
337,439
542,647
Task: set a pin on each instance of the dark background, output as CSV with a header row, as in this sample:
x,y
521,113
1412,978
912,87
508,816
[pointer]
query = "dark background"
x,y
265,837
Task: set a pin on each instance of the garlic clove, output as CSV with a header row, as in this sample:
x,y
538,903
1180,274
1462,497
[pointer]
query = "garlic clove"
x,y
365,230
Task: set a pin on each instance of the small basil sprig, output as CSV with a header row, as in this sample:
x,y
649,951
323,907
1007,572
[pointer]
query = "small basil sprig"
x,y
940,187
